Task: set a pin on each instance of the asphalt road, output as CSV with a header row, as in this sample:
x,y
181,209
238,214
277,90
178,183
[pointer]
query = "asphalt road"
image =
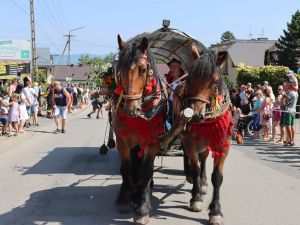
x,y
61,179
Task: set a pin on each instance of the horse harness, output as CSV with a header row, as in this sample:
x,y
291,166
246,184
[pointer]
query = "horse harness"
x,y
156,92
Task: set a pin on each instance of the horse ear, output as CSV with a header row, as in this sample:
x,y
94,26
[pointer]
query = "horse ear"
x,y
121,42
144,44
221,57
195,52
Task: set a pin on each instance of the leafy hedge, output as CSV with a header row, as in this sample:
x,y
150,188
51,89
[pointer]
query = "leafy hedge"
x,y
275,75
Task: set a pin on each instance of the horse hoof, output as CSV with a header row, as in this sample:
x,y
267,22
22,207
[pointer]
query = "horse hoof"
x,y
189,179
204,189
216,220
124,208
196,206
141,220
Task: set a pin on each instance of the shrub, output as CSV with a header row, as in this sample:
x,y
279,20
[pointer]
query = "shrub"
x,y
228,82
275,75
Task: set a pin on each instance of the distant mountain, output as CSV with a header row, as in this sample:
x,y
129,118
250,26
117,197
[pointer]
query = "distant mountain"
x,y
73,58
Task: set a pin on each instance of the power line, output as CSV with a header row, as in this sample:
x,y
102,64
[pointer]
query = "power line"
x,y
93,44
27,13
19,7
62,13
59,13
54,17
49,18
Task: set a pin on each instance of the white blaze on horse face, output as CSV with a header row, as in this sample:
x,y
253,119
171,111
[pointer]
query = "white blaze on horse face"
x,y
133,65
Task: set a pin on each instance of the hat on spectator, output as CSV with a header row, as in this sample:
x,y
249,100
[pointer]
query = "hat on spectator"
x,y
266,82
290,73
173,60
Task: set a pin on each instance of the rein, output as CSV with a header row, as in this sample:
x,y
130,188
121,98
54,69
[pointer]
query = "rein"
x,y
197,99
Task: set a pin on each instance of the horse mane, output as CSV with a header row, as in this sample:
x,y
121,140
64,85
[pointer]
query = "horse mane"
x,y
131,52
204,67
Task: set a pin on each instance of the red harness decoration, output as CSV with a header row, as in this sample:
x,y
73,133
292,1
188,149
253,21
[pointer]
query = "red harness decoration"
x,y
216,133
146,131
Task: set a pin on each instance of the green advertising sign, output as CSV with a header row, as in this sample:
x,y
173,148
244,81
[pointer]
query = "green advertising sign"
x,y
14,50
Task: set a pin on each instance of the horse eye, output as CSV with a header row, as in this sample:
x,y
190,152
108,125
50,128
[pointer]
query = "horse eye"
x,y
143,71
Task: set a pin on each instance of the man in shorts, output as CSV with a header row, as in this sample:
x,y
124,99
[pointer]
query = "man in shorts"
x,y
289,117
61,99
97,105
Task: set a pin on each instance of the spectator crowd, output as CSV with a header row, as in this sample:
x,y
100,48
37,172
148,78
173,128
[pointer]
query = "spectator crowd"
x,y
22,102
271,112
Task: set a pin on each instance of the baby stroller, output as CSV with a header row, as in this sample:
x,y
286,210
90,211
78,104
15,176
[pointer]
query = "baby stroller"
x,y
245,125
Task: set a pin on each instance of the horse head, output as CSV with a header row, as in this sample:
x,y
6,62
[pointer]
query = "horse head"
x,y
204,80
133,69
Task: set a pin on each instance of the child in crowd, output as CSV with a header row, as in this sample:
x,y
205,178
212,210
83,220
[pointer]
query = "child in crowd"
x,y
237,113
255,112
4,117
14,111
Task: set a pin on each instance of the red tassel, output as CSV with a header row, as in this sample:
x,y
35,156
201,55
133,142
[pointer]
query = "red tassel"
x,y
140,153
213,155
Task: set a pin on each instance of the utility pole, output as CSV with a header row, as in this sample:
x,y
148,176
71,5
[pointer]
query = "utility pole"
x,y
33,45
68,44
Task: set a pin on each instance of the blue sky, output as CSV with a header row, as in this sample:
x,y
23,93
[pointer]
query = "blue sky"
x,y
204,20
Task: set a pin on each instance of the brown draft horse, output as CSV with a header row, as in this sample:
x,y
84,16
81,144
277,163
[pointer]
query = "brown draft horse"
x,y
138,120
206,126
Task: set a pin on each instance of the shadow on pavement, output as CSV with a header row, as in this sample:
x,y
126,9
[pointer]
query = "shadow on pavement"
x,y
268,151
74,205
83,204
40,131
77,160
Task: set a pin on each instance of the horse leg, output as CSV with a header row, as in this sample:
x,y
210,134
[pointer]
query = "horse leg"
x,y
196,202
187,169
136,164
142,195
203,178
215,214
124,197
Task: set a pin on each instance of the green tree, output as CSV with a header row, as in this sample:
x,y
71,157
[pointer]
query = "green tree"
x,y
267,60
98,66
227,37
289,44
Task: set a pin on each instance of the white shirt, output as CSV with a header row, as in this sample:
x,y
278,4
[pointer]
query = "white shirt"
x,y
27,95
33,94
173,85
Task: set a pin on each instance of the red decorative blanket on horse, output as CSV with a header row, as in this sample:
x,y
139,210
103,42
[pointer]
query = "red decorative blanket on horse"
x,y
215,132
146,131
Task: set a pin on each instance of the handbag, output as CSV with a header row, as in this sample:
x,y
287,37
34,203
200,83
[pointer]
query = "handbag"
x,y
267,116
